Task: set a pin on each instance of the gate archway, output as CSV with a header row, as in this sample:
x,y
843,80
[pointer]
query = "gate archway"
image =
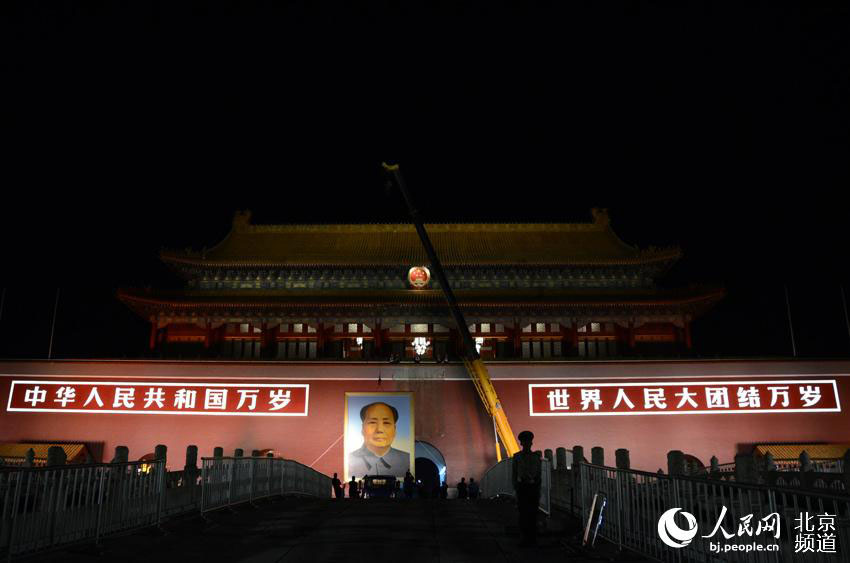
x,y
429,452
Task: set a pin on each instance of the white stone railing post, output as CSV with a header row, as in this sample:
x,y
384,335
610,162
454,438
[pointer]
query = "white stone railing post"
x,y
846,471
675,463
621,457
160,455
56,456
745,469
597,455
561,458
578,460
122,454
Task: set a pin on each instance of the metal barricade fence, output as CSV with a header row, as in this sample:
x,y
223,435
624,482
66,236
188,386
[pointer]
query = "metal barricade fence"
x,y
499,481
183,492
546,486
49,506
262,477
299,484
215,482
241,480
227,481
20,462
636,501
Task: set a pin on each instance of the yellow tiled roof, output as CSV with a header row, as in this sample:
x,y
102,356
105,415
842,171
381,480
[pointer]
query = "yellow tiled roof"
x,y
793,451
20,450
398,244
423,297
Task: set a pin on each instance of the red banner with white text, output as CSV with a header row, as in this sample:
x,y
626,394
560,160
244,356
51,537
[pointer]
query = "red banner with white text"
x,y
134,397
666,397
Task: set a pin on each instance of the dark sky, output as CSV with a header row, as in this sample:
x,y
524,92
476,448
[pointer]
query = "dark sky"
x,y
720,128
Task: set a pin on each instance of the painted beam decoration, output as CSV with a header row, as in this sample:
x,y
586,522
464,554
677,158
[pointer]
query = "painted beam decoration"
x,y
691,397
147,397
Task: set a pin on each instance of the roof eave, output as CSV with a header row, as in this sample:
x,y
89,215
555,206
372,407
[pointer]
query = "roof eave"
x,y
210,264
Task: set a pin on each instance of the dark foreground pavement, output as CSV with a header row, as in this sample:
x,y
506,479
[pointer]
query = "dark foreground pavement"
x,y
294,530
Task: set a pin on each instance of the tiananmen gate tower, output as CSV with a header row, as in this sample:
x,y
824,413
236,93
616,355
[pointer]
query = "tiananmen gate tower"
x,y
284,336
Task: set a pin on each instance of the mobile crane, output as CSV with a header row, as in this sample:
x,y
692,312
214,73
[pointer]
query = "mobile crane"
x,y
474,366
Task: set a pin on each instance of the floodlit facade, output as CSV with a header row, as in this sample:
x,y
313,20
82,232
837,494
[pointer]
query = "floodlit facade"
x,y
284,335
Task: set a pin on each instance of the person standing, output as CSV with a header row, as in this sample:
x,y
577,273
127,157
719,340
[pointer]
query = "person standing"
x,y
337,485
352,488
408,485
526,467
473,489
462,490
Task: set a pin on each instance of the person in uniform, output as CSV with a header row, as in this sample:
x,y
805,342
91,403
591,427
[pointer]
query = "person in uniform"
x,y
526,480
337,485
377,456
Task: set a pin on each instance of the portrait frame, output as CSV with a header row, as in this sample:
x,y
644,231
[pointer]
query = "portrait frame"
x,y
405,437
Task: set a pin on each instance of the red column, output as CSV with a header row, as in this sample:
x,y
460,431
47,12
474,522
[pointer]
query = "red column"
x,y
379,340
152,343
574,336
454,334
264,336
320,340
517,340
207,334
688,342
631,334
272,340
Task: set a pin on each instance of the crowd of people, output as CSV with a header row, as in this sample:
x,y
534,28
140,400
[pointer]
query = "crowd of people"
x,y
526,478
408,488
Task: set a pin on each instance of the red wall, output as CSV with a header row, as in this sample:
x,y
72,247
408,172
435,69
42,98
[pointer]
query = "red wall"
x,y
448,411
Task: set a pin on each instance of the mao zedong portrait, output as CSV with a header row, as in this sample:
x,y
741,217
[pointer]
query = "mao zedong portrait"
x,y
377,456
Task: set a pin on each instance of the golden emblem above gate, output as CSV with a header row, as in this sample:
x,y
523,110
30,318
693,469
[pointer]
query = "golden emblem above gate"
x,y
419,276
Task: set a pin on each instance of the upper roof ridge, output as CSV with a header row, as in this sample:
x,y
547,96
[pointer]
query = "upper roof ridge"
x,y
601,221
496,243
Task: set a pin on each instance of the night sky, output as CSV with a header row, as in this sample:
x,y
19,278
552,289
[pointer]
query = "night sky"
x,y
719,128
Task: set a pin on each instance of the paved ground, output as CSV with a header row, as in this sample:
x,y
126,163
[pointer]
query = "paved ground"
x,y
294,530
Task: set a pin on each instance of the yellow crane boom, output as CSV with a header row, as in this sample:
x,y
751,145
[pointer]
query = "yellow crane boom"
x,y
474,366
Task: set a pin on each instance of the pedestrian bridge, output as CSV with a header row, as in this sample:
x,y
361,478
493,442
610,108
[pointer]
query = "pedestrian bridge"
x,y
304,529
250,509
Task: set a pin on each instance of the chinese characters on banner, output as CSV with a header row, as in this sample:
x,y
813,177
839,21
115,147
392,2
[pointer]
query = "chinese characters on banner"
x,y
665,397
815,533
228,399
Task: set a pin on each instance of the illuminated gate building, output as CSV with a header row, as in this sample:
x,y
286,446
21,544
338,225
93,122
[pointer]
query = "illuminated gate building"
x,y
283,329
342,292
